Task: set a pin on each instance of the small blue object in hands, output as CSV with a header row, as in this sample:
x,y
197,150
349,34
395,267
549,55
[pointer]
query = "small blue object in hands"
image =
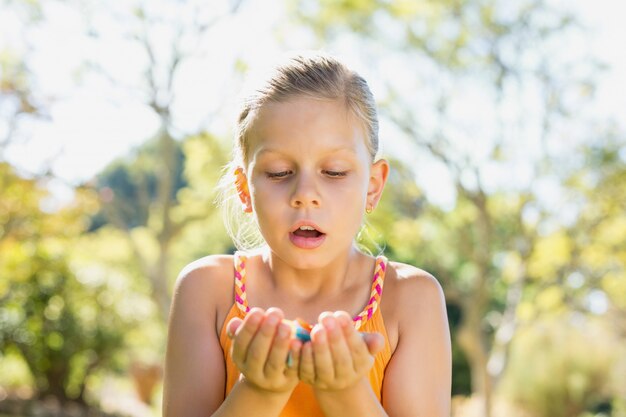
x,y
303,334
300,329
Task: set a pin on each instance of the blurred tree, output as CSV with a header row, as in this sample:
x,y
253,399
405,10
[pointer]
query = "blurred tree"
x,y
505,59
600,226
61,324
142,192
144,197
130,220
130,187
561,382
128,190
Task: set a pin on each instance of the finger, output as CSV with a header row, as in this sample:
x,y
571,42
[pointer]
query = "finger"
x,y
343,318
232,326
293,361
323,360
375,342
244,334
361,357
276,361
306,371
260,346
340,352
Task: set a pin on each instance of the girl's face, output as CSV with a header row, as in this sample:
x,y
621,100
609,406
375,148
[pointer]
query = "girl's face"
x,y
310,169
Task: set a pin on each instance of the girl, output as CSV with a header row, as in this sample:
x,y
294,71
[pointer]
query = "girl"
x,y
305,172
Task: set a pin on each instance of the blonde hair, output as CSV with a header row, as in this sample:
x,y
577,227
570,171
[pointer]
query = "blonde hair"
x,y
314,75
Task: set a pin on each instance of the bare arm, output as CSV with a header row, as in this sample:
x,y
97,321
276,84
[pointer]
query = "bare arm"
x,y
195,374
194,365
419,375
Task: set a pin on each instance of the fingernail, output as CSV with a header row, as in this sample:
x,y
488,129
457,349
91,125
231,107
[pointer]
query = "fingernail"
x,y
273,320
321,336
329,323
254,318
344,321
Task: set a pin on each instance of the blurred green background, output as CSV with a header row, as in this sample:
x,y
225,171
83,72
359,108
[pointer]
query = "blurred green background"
x,y
501,120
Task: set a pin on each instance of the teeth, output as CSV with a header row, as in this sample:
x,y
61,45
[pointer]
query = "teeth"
x,y
306,228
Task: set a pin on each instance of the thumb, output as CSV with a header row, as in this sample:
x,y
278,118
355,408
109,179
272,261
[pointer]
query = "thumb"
x,y
374,341
232,326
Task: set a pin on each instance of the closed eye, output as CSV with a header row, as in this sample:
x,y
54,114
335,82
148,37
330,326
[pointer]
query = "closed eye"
x,y
336,174
277,175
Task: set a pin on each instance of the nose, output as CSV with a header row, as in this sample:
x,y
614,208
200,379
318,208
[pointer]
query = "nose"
x,y
305,193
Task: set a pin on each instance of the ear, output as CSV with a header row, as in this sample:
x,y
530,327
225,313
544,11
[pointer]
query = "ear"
x,y
378,178
241,183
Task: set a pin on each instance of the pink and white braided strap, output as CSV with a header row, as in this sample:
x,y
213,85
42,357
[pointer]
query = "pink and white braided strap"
x,y
240,283
377,291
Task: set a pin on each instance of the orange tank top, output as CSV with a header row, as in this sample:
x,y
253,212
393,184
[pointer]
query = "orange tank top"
x,y
302,402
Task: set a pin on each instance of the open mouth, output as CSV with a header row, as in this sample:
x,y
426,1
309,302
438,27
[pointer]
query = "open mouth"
x,y
307,236
307,232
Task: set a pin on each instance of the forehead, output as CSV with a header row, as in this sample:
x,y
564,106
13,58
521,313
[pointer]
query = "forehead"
x,y
306,125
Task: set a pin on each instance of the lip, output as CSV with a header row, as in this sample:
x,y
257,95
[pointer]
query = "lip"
x,y
306,242
306,223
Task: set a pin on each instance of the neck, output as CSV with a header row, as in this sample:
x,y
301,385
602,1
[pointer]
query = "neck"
x,y
311,283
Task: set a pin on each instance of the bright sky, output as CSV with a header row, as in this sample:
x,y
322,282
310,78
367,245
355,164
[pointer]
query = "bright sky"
x,y
92,123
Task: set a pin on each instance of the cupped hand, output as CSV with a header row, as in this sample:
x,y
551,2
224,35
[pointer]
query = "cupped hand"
x,y
261,345
338,356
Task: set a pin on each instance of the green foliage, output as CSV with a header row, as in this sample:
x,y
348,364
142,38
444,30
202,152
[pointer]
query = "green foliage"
x,y
601,225
128,191
54,319
58,326
204,157
129,186
560,368
461,381
402,201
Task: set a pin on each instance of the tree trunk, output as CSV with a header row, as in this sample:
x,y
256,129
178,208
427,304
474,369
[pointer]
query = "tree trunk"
x,y
470,339
160,281
165,235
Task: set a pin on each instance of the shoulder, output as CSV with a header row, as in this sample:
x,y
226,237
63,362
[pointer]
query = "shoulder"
x,y
205,272
413,288
411,297
204,283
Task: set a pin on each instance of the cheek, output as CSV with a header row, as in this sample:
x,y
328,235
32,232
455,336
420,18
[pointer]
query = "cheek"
x,y
266,194
350,204
266,202
265,216
353,191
